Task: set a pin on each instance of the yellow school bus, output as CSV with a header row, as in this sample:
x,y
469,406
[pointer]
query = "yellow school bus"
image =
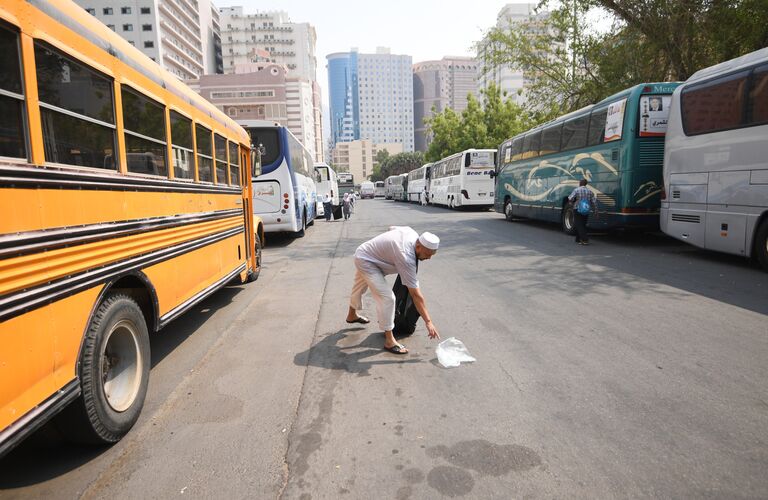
x,y
125,198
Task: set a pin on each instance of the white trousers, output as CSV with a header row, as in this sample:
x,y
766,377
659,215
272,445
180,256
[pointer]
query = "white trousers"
x,y
368,276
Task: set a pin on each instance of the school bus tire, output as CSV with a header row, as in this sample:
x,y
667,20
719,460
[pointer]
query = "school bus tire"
x,y
254,275
114,374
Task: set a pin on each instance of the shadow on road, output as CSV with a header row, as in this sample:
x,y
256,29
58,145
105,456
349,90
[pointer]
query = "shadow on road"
x,y
352,358
624,261
47,453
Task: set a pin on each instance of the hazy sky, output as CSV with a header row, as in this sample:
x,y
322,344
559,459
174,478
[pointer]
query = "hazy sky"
x,y
423,29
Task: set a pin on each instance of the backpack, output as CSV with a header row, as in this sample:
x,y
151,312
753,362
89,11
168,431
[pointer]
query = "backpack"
x,y
406,314
583,206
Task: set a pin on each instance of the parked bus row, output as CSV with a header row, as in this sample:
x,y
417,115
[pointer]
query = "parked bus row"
x,y
690,158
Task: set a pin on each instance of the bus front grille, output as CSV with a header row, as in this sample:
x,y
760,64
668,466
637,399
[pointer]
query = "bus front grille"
x,y
651,154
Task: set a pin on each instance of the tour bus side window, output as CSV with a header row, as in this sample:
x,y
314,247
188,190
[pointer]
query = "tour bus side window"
x,y
181,143
715,105
757,107
204,154
597,127
234,164
517,148
531,144
575,133
76,110
550,139
144,126
12,136
220,148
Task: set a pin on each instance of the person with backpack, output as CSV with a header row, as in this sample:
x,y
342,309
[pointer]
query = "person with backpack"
x,y
398,251
584,202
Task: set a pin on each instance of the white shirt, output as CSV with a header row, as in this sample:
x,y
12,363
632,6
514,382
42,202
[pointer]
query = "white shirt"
x,y
394,252
327,198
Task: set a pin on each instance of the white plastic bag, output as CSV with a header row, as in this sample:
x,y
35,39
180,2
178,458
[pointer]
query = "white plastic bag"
x,y
452,352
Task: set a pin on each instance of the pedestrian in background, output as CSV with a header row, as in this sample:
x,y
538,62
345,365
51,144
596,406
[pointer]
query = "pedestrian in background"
x,y
347,206
583,200
328,207
398,251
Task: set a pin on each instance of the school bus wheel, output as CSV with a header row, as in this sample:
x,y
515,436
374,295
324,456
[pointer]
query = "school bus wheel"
x,y
254,275
114,373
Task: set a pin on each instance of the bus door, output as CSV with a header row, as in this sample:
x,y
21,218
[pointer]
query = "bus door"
x,y
246,166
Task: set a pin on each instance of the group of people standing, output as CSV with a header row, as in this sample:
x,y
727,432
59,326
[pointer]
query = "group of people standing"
x,y
347,206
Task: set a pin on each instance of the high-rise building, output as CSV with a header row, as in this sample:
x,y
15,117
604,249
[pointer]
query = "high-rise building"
x,y
443,84
508,78
288,43
271,37
181,36
266,92
359,157
371,97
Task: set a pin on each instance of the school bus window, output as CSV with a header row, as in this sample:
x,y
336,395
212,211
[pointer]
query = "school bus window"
x,y
220,145
204,154
145,144
12,140
76,110
181,142
234,164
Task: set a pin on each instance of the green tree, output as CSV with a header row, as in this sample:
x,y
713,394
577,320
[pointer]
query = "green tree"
x,y
650,40
481,125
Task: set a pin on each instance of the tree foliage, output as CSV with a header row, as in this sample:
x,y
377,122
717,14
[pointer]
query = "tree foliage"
x,y
569,66
400,163
481,125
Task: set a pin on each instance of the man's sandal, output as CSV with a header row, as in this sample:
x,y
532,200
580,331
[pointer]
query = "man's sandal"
x,y
360,319
397,349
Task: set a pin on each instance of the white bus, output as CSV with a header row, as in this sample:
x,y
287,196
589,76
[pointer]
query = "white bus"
x,y
418,183
464,179
284,195
394,187
379,191
367,190
327,182
716,159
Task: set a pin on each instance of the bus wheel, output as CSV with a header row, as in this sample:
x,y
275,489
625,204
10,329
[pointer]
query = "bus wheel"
x,y
569,225
300,233
254,275
761,244
508,210
114,373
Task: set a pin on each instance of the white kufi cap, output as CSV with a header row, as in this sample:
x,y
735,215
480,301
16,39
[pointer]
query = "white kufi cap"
x,y
429,240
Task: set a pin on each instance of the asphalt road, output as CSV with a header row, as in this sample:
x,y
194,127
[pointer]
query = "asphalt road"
x,y
634,367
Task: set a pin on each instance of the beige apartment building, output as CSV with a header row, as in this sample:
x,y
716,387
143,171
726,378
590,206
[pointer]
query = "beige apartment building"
x,y
357,157
266,92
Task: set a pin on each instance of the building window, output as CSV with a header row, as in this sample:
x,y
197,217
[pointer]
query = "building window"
x,y
111,26
125,10
127,27
107,11
145,10
91,11
146,27
149,45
